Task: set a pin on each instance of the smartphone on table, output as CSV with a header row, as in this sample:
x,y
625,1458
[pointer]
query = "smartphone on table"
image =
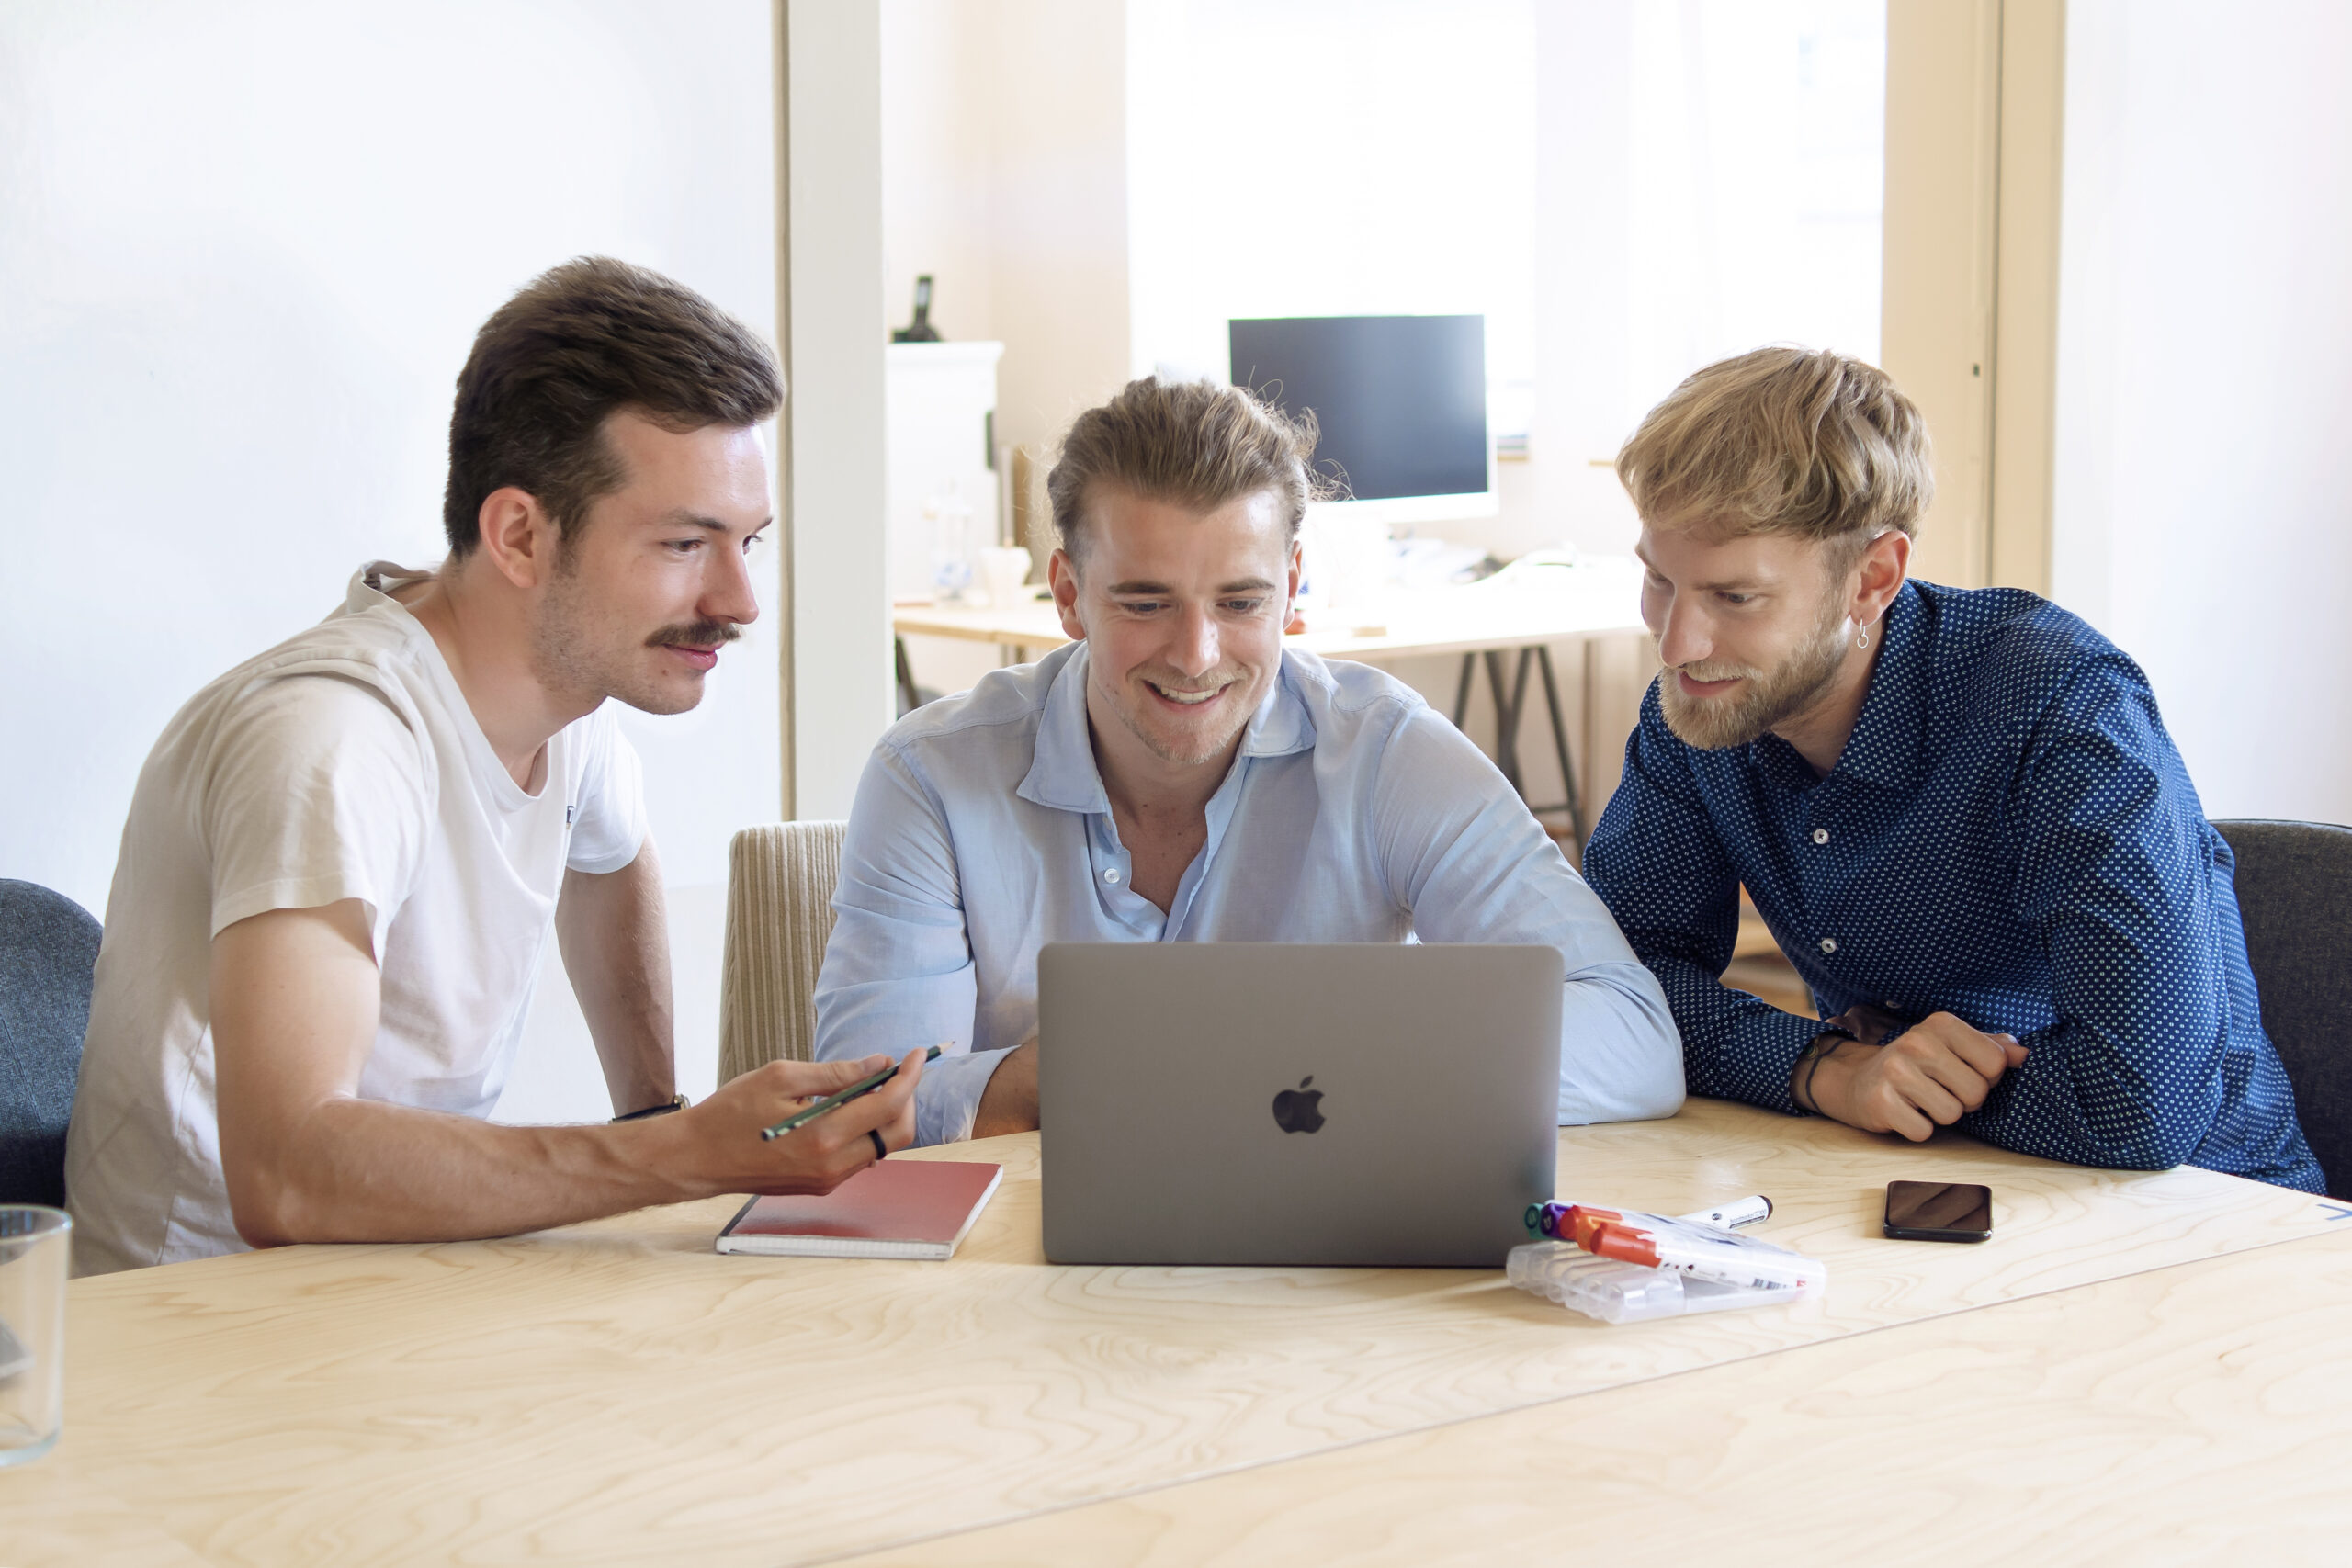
x,y
1939,1211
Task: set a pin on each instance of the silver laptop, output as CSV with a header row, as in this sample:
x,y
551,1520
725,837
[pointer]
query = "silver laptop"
x,y
1286,1103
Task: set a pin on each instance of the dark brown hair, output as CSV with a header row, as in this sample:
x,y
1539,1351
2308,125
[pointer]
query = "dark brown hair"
x,y
1193,442
1783,441
581,341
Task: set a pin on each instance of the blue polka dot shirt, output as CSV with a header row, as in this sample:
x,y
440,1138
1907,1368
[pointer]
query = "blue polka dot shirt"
x,y
2008,835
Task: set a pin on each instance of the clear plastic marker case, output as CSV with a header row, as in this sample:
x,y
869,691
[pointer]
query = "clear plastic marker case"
x,y
1614,1292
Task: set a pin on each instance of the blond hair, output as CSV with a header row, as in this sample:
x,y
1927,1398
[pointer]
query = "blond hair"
x,y
1193,442
1783,441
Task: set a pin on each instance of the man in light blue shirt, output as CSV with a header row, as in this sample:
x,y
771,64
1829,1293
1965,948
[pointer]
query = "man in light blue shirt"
x,y
1177,775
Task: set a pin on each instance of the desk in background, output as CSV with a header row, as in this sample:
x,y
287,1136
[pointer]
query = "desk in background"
x,y
1523,612
619,1393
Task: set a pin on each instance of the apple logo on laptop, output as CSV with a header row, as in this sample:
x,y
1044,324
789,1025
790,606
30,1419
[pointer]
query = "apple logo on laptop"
x,y
1296,1109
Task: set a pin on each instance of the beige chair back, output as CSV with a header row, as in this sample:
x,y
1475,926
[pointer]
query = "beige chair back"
x,y
779,915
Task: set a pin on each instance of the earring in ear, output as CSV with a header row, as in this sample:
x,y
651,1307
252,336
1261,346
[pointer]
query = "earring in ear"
x,y
1863,640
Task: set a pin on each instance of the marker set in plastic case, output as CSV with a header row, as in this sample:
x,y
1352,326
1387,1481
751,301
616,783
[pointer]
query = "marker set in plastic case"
x,y
1623,1266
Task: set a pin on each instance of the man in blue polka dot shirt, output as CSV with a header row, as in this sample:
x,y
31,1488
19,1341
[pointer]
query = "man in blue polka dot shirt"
x,y
1958,811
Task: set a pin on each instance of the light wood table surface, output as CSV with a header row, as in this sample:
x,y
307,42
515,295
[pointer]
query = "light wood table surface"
x,y
2200,1413
619,1393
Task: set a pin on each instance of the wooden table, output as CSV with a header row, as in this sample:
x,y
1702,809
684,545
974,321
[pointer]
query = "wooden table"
x,y
2155,1358
1524,611
2198,1413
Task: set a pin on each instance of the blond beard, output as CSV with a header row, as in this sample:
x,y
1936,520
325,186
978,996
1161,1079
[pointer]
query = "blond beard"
x,y
1769,698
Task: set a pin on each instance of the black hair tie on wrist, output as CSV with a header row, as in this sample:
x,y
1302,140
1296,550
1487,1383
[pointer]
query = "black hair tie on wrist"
x,y
1823,1043
881,1149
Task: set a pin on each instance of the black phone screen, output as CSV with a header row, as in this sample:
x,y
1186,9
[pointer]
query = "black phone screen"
x,y
1939,1211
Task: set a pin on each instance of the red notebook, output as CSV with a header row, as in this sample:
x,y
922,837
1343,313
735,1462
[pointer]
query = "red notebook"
x,y
896,1208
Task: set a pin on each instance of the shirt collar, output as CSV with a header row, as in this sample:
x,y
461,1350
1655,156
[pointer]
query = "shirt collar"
x,y
376,582
1886,746
1063,775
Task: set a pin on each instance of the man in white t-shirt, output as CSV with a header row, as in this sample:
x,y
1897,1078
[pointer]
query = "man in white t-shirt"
x,y
344,857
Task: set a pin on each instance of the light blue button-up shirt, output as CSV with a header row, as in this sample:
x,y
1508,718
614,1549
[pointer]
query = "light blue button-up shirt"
x,y
1352,813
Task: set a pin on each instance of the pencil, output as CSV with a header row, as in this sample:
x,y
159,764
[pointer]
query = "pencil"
x,y
839,1098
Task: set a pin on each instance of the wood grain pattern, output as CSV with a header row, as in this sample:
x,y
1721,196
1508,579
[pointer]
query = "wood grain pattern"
x,y
619,1393
2197,1414
52,1516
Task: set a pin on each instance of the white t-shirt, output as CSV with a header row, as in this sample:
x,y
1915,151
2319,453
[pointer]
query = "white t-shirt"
x,y
342,763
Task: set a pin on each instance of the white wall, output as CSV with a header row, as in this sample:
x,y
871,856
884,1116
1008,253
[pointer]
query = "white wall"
x,y
243,249
1708,180
1330,157
2202,514
1004,174
1058,202
833,411
939,84
1626,191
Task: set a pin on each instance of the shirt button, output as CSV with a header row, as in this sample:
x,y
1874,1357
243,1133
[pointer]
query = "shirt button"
x,y
1829,945
1112,875
1821,835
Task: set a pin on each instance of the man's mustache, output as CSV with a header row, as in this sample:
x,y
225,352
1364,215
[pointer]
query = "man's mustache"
x,y
695,634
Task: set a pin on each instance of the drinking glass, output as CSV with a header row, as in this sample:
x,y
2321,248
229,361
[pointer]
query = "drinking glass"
x,y
35,1243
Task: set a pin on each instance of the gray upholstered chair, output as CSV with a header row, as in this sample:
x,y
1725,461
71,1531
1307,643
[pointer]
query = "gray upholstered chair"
x,y
2295,893
48,946
779,915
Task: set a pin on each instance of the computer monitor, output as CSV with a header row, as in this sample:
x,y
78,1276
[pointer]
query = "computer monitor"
x,y
1400,402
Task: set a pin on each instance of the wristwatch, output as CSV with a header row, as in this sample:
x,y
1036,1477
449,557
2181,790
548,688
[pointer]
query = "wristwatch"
x,y
675,1102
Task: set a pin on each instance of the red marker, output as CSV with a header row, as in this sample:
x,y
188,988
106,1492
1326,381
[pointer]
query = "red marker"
x,y
1547,1219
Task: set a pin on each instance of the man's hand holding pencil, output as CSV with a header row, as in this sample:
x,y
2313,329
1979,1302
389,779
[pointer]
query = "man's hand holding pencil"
x,y
822,1151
